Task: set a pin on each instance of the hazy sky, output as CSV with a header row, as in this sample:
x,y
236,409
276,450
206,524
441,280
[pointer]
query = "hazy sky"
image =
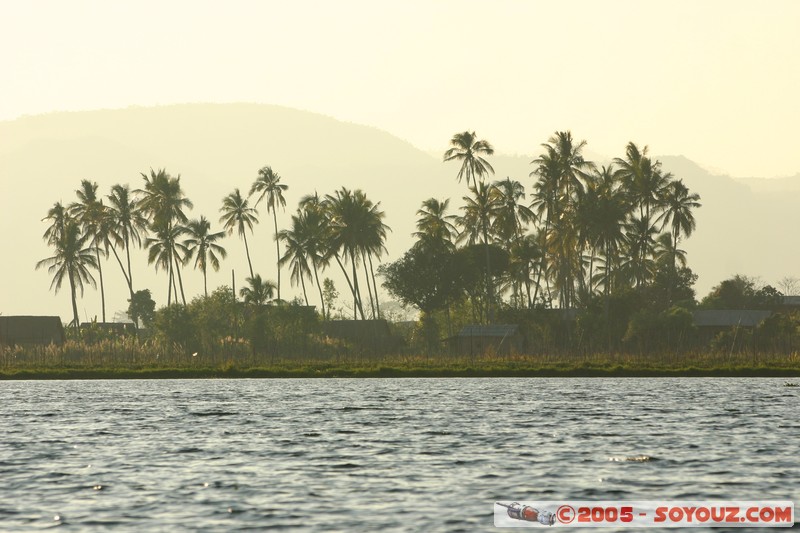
x,y
717,81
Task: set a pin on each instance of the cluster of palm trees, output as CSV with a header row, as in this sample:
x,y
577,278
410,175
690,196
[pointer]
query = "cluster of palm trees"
x,y
584,230
345,227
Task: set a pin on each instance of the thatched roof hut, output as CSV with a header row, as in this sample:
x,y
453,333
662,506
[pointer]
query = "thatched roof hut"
x,y
31,330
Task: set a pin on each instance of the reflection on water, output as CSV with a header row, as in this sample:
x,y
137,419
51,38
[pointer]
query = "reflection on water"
x,y
369,454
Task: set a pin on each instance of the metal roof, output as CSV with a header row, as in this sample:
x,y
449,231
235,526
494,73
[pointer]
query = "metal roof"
x,y
729,317
793,301
497,330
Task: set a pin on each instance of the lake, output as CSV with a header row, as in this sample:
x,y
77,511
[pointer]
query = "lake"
x,y
380,454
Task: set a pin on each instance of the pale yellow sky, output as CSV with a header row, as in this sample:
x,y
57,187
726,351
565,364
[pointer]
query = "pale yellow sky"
x,y
716,81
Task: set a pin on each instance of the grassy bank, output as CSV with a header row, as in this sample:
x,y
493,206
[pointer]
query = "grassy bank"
x,y
193,367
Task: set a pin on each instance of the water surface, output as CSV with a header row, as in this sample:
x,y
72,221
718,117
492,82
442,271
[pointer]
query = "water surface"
x,y
380,454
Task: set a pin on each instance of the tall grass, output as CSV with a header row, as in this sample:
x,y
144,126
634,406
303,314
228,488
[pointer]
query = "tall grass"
x,y
232,357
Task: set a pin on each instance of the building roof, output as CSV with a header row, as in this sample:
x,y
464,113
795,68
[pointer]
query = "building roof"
x,y
729,317
791,301
497,330
25,330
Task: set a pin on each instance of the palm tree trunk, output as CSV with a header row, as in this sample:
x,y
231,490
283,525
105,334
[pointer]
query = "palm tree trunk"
x,y
127,279
102,286
347,278
130,272
278,250
369,289
205,282
489,284
303,284
75,319
319,287
247,251
356,291
374,286
180,281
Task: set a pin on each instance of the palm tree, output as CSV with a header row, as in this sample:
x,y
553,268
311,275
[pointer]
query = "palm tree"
x,y
605,226
58,215
202,245
357,232
128,223
480,211
510,218
258,292
73,260
434,226
237,214
90,212
163,201
465,147
295,254
643,179
166,251
678,204
268,184
313,234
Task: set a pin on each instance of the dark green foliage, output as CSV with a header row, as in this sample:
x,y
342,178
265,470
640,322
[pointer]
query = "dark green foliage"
x,y
141,308
173,325
740,292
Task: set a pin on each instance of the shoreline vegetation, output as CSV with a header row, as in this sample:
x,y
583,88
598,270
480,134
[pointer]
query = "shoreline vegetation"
x,y
582,275
56,363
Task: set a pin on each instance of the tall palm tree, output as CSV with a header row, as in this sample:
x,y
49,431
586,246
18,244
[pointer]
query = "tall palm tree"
x,y
90,212
58,216
510,219
678,204
258,291
268,184
434,226
643,179
201,244
466,148
162,200
480,210
238,215
166,251
128,222
73,260
313,234
357,232
295,254
563,168
605,226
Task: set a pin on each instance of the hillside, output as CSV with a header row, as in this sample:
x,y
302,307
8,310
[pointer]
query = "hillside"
x,y
216,148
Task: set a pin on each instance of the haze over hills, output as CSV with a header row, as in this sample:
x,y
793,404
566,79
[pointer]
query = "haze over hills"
x,y
743,226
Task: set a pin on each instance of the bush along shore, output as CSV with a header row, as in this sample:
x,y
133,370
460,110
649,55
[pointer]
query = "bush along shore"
x,y
130,359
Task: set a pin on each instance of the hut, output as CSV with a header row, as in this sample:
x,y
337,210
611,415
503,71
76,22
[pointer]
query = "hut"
x,y
31,330
710,322
370,334
477,339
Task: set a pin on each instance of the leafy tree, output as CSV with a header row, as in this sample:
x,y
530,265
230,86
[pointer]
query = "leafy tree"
x,y
330,295
141,308
269,186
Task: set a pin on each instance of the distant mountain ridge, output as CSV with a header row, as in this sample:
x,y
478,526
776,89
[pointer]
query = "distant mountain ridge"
x,y
218,147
